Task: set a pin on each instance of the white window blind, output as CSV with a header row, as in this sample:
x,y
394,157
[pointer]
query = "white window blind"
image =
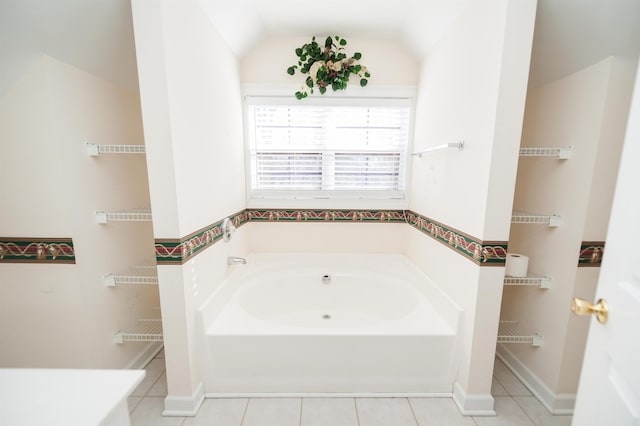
x,y
321,151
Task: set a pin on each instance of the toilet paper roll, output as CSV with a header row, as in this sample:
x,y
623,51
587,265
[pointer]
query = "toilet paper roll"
x,y
516,265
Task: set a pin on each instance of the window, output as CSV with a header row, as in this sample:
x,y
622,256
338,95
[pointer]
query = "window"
x,y
335,149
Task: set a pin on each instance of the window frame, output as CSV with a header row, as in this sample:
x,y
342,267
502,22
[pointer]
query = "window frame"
x,y
338,199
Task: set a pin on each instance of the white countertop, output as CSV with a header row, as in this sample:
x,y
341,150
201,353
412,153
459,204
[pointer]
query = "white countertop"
x,y
64,397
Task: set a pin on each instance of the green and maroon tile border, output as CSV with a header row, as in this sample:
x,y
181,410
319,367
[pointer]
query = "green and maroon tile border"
x,y
483,253
591,253
36,250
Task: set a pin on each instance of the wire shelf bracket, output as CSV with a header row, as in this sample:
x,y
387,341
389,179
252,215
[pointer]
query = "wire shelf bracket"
x,y
146,330
459,145
530,280
139,274
94,150
134,215
563,153
513,332
552,221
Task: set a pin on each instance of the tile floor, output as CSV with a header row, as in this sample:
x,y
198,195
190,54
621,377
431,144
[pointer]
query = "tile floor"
x,y
515,406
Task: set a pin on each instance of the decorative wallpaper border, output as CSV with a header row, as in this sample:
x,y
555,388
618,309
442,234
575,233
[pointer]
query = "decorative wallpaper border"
x,y
283,215
483,253
591,253
170,251
36,250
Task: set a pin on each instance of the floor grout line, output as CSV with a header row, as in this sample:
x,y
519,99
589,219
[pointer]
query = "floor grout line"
x,y
301,408
146,394
244,413
355,405
473,419
525,411
136,407
413,412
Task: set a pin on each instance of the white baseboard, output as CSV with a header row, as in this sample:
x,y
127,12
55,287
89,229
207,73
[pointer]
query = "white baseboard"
x,y
180,406
328,395
473,404
556,403
143,358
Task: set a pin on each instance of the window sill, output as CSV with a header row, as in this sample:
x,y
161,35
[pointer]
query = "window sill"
x,y
325,203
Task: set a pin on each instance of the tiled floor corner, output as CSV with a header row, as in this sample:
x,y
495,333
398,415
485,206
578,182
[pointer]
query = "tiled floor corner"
x,y
514,405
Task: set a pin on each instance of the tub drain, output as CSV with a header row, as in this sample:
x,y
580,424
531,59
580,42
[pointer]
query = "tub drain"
x,y
326,316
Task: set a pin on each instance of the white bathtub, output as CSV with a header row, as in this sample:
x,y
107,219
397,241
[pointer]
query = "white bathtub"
x,y
375,325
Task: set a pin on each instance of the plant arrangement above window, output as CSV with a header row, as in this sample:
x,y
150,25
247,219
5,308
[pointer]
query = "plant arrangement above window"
x,y
327,66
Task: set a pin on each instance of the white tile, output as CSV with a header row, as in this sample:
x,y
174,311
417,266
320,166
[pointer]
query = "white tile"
x,y
508,413
329,411
153,371
497,389
219,412
149,413
272,412
385,412
438,412
159,388
133,402
509,381
540,415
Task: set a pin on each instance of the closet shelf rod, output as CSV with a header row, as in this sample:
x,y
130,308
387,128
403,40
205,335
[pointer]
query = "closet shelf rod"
x,y
459,145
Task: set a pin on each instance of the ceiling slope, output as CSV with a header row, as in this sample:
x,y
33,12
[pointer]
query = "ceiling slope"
x,y
97,35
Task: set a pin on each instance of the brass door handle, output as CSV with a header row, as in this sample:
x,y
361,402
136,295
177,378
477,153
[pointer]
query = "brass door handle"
x,y
582,307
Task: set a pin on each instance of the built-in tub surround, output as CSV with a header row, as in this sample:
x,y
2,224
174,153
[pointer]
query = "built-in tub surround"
x,y
328,323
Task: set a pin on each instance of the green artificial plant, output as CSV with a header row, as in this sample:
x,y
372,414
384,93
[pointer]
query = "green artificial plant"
x,y
327,66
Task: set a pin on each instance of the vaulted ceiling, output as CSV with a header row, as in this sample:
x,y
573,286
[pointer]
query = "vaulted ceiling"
x,y
97,35
417,23
94,35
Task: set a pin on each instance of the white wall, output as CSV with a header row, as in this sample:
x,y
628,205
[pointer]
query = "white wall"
x,y
206,118
588,110
192,113
326,237
614,121
472,88
62,315
192,116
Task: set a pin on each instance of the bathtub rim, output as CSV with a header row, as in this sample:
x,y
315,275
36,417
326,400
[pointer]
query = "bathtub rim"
x,y
444,305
